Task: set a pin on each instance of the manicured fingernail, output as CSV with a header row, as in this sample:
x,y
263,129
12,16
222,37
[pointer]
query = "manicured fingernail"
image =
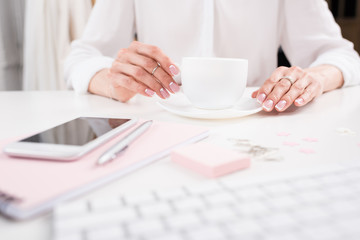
x,y
174,87
164,93
280,105
260,99
268,105
174,71
299,101
149,92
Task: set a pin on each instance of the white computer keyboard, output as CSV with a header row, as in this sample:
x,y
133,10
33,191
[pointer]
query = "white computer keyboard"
x,y
325,205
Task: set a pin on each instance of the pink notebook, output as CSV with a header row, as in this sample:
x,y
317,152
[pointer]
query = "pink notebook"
x,y
31,187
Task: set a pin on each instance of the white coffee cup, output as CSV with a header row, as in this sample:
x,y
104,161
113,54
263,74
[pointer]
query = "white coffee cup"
x,y
213,83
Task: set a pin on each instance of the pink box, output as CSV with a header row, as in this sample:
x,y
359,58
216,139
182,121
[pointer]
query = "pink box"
x,y
210,160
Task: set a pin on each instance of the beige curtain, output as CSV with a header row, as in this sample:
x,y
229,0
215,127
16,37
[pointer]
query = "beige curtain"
x,y
11,42
50,26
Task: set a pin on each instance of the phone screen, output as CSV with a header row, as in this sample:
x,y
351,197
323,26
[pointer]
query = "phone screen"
x,y
77,132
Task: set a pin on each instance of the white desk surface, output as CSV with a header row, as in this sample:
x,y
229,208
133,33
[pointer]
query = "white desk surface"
x,y
26,112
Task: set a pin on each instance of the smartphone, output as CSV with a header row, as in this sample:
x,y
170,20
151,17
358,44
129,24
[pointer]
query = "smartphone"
x,y
69,141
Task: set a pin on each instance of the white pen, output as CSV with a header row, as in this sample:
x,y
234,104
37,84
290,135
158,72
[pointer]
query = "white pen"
x,y
120,146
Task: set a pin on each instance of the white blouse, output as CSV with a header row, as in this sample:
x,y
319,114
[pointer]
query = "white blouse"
x,y
305,29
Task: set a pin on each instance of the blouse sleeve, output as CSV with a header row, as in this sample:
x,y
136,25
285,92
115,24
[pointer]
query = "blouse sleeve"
x,y
110,28
311,37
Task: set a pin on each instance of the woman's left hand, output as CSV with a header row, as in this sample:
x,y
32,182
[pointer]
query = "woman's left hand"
x,y
287,86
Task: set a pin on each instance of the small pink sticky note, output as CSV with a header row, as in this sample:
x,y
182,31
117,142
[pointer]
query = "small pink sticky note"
x,y
283,134
291,144
310,139
210,160
307,150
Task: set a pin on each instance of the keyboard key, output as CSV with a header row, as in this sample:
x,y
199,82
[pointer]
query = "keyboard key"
x,y
305,184
136,199
279,222
190,203
352,175
242,228
350,226
171,194
69,236
231,184
219,214
166,236
146,227
283,202
90,220
313,196
76,223
293,235
207,233
155,210
183,221
106,203
220,198
71,209
327,232
330,179
345,207
311,215
107,232
253,208
340,191
278,188
208,187
250,193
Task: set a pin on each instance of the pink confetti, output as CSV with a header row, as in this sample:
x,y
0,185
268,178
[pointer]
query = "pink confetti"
x,y
310,139
283,134
307,150
291,144
358,144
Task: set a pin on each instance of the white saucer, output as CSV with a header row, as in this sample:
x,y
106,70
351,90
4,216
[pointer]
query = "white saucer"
x,y
180,105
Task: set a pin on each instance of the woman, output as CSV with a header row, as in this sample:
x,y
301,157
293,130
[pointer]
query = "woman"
x,y
107,61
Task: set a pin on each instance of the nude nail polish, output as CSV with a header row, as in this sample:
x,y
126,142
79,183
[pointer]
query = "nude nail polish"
x,y
149,92
174,87
280,105
164,93
299,101
174,70
260,99
268,104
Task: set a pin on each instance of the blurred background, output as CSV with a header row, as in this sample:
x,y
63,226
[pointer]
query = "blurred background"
x,y
35,37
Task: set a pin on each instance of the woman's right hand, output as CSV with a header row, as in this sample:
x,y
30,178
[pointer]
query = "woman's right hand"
x,y
142,69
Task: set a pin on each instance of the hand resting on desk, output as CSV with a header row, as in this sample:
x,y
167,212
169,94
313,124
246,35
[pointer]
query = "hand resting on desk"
x,y
287,86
